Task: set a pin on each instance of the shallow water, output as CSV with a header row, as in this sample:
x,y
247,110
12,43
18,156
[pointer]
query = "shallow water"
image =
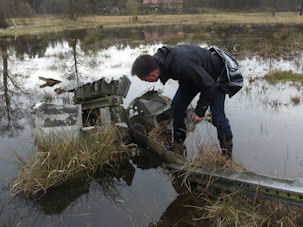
x,y
267,126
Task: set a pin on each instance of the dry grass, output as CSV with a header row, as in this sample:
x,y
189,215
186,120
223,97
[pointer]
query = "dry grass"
x,y
161,134
296,100
47,24
54,162
214,160
235,209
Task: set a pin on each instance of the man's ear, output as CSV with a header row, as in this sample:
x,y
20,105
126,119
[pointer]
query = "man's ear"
x,y
156,73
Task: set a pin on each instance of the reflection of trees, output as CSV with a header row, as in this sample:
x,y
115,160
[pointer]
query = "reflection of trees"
x,y
184,210
32,46
108,182
74,45
264,40
10,113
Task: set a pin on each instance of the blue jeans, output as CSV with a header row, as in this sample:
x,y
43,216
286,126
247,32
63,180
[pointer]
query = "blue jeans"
x,y
180,102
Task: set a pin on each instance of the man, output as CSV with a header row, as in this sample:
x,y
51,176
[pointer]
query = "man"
x,y
197,70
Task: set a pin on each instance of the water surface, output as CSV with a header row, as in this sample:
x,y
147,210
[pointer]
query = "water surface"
x,y
267,126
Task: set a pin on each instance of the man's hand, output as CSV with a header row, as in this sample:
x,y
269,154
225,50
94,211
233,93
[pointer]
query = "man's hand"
x,y
196,119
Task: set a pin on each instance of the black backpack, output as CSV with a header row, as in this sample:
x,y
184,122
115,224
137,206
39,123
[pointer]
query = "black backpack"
x,y
231,79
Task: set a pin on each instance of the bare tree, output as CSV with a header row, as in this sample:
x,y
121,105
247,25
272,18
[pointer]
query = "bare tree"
x,y
76,8
3,15
274,7
132,9
301,8
74,45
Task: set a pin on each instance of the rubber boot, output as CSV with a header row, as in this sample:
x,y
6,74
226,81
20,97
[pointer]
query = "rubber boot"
x,y
179,136
226,146
227,149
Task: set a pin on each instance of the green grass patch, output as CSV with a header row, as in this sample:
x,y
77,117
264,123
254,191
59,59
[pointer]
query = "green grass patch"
x,y
283,76
54,161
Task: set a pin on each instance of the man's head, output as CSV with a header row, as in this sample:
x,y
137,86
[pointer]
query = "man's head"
x,y
146,68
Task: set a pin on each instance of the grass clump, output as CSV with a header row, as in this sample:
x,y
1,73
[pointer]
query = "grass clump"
x,y
295,100
235,209
283,76
56,161
214,160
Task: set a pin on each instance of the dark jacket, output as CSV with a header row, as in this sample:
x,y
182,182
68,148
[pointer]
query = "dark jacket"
x,y
192,66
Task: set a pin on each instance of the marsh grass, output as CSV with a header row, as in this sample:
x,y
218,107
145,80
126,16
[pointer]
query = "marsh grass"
x,y
236,209
214,160
283,76
56,161
296,100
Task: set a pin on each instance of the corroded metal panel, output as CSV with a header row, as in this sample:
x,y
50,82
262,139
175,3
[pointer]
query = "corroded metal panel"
x,y
102,88
62,121
150,110
118,87
102,102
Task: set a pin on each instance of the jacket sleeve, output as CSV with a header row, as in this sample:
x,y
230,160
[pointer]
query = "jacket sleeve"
x,y
196,76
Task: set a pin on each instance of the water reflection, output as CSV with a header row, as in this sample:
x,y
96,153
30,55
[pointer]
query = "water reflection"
x,y
108,182
268,41
11,113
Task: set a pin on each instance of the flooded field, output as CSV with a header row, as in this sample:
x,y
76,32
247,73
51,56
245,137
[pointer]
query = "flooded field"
x,y
265,119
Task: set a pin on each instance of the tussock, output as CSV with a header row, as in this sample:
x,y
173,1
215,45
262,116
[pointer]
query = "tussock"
x,y
213,159
56,161
295,100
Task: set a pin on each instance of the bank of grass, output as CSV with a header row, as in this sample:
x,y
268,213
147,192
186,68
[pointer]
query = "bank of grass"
x,y
46,24
283,76
56,161
236,209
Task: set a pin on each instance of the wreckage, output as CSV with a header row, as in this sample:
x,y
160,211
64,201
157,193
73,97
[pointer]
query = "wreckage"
x,y
101,103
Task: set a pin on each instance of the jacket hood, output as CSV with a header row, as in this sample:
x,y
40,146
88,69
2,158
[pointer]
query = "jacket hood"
x,y
164,57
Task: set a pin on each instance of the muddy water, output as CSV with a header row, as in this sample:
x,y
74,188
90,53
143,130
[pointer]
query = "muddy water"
x,y
267,126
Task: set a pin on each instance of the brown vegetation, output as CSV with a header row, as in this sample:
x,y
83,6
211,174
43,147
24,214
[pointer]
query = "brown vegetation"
x,y
56,161
235,209
295,100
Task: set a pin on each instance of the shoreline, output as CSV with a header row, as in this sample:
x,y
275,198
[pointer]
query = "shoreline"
x,y
51,24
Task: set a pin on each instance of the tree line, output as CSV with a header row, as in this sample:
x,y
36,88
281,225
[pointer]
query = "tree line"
x,y
75,8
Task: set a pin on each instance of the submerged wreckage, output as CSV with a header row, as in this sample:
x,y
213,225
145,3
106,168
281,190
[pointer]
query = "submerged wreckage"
x,y
101,103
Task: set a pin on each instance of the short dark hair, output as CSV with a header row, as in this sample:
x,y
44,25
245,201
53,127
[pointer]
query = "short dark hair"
x,y
144,65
